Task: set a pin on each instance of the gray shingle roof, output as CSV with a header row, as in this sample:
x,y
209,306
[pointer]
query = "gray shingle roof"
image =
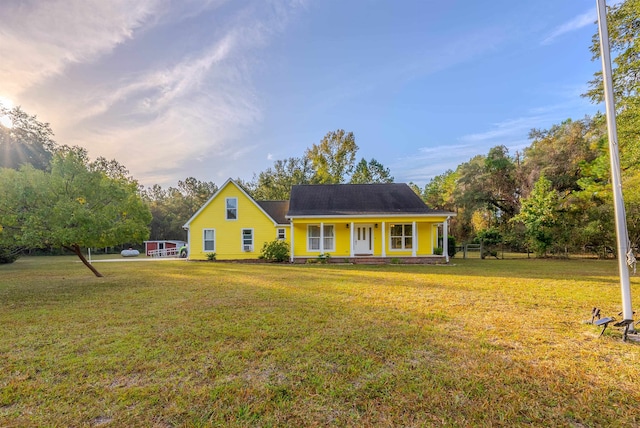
x,y
356,199
277,210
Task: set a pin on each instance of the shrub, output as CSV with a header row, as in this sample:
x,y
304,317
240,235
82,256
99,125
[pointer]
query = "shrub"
x,y
211,256
451,246
275,251
324,257
437,251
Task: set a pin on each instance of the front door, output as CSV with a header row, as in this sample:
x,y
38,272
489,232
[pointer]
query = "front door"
x,y
363,239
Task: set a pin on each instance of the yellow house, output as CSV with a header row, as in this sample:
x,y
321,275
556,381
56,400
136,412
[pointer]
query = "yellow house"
x,y
232,225
354,222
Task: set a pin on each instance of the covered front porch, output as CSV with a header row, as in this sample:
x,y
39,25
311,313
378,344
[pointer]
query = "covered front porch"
x,y
365,240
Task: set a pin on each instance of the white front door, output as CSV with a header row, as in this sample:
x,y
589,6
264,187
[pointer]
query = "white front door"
x,y
363,240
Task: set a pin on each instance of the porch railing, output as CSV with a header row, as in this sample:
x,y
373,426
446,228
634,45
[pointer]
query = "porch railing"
x,y
165,252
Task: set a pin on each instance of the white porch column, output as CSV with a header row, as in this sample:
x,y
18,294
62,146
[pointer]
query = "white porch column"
x,y
291,241
352,237
188,245
445,239
414,241
384,241
321,238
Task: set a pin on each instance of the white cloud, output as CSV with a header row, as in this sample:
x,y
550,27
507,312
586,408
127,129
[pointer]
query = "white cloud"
x,y
504,131
157,89
162,112
40,39
580,21
431,161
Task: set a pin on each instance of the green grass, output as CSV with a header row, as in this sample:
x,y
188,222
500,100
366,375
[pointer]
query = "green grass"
x,y
480,343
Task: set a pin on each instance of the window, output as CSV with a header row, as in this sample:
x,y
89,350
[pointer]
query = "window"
x,y
401,236
328,238
232,208
313,232
209,240
314,236
247,239
281,235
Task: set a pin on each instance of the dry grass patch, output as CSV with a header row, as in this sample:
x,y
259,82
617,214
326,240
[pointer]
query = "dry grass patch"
x,y
169,344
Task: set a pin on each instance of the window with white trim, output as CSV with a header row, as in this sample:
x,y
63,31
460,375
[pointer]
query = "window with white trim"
x,y
281,234
209,240
328,238
401,236
247,239
232,208
314,236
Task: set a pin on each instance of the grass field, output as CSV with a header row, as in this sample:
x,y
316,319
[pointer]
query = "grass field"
x,y
164,344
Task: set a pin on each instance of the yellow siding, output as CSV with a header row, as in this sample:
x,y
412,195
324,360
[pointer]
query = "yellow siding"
x,y
425,241
228,233
424,231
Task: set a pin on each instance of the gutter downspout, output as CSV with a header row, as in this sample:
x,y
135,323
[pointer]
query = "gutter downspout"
x,y
445,239
291,240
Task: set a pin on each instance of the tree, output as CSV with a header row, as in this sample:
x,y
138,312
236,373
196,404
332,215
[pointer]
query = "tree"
x,y
26,142
23,141
539,215
172,208
372,172
195,193
77,204
561,152
438,193
623,22
486,187
275,183
333,159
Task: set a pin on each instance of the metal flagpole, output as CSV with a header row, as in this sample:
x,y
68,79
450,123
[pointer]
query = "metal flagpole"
x,y
624,252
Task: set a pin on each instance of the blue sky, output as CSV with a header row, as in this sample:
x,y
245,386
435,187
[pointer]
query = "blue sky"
x,y
216,89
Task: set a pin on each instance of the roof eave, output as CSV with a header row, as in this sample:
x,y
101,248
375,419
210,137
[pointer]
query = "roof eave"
x,y
374,215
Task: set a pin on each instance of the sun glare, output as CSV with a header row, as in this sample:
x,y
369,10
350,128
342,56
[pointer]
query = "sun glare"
x,y
6,102
6,120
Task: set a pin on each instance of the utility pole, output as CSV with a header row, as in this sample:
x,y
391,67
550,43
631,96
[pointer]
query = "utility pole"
x,y
624,252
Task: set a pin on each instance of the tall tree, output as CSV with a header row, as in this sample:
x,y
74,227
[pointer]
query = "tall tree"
x,y
623,21
489,182
171,208
195,194
333,160
77,204
560,153
275,183
439,192
27,141
24,140
371,172
539,214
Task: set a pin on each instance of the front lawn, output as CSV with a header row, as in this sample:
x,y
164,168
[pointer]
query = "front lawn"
x,y
482,342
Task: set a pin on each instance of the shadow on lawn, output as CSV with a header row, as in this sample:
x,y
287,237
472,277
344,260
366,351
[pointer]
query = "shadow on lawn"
x,y
578,270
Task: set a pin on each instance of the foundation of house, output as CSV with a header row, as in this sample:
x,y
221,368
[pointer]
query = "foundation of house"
x,y
363,260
